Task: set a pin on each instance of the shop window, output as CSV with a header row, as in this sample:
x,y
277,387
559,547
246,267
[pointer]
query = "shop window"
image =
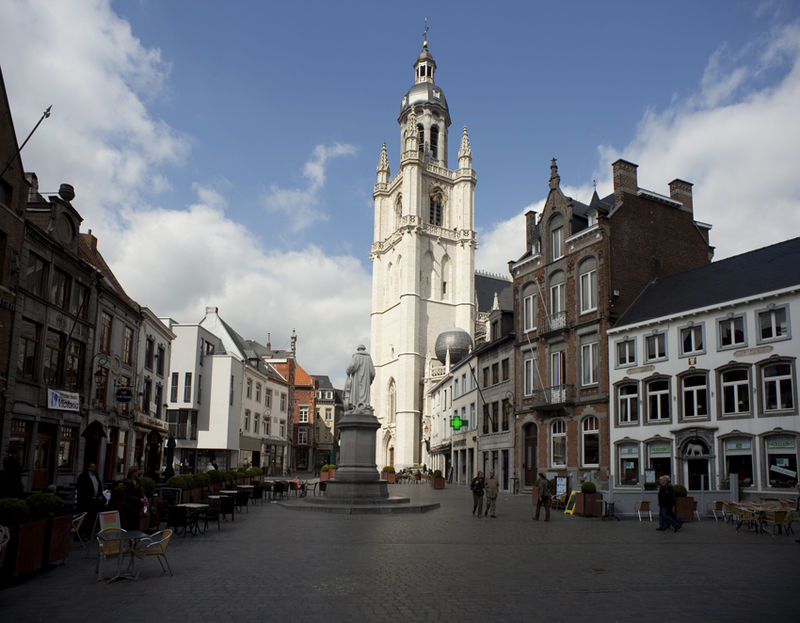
x,y
739,460
590,441
558,444
781,461
67,447
20,441
628,457
659,455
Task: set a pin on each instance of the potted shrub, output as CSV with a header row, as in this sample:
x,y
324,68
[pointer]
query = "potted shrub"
x,y
388,474
587,502
327,472
26,547
437,480
684,503
58,532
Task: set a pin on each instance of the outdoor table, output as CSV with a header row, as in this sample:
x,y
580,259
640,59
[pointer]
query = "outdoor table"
x,y
132,537
192,510
227,491
245,486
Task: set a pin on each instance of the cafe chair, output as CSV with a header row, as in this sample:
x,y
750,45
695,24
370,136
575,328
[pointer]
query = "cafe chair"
x,y
212,513
107,549
242,497
77,522
156,545
718,510
644,507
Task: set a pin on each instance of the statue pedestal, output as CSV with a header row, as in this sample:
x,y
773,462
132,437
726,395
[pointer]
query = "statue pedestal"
x,y
357,479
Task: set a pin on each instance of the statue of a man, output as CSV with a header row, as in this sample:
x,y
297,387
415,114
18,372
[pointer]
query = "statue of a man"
x,y
360,373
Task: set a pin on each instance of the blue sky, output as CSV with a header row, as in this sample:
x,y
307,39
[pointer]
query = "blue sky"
x,y
224,153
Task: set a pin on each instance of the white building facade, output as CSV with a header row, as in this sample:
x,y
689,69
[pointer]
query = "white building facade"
x,y
423,262
703,379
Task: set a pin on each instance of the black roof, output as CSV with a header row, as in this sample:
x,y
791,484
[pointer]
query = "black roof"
x,y
757,272
486,286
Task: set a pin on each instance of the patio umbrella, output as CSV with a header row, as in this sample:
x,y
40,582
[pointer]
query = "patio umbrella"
x,y
169,472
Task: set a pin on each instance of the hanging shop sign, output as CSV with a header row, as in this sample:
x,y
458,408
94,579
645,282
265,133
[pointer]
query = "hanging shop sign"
x,y
63,401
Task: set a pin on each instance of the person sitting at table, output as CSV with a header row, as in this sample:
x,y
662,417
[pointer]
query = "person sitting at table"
x,y
301,486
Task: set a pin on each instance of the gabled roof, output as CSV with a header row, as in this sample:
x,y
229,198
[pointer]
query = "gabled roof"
x,y
764,270
486,286
87,250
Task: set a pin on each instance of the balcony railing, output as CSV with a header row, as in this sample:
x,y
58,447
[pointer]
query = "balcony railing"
x,y
554,396
556,322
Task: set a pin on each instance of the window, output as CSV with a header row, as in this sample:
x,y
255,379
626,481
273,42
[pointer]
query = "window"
x,y
436,201
455,388
303,417
529,312
73,368
283,429
558,444
694,389
101,387
29,337
506,407
160,357
773,324
588,291
127,346
105,333
495,417
124,407
692,340
628,464
658,400
504,369
464,383
730,332
173,390
735,391
302,436
54,358
328,414
628,403
60,288
256,420
626,353
246,424
527,375
486,377
660,457
258,392
187,387
655,347
590,442
36,276
249,390
267,426
556,243
79,301
160,396
147,394
777,386
67,447
283,402
434,141
589,354
781,461
486,418
199,388
268,398
472,423
495,373
557,291
149,353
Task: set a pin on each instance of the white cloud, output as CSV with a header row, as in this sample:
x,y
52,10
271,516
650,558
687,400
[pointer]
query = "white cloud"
x,y
301,205
737,140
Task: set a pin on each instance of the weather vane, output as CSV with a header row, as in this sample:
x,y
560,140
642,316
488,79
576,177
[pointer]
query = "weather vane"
x,y
425,35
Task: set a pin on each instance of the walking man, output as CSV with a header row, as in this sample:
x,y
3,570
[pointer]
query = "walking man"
x,y
544,498
666,504
477,494
492,487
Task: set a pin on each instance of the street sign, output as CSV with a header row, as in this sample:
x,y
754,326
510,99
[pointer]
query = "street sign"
x,y
124,394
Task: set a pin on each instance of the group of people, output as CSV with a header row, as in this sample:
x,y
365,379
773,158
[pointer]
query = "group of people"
x,y
489,487
92,500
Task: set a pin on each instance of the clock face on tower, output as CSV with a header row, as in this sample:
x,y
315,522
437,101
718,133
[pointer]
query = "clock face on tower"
x,y
65,231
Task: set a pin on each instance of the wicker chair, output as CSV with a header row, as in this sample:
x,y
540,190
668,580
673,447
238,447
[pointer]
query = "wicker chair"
x,y
77,522
107,549
156,545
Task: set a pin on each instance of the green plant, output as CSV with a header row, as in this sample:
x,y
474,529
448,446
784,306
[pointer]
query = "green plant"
x,y
255,471
588,487
178,482
201,480
388,469
44,505
437,473
118,492
216,476
148,485
13,511
679,491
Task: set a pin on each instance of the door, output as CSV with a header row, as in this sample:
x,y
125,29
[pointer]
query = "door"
x,y
42,461
698,474
529,454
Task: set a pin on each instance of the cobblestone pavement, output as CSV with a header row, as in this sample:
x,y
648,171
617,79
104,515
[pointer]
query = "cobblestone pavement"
x,y
274,564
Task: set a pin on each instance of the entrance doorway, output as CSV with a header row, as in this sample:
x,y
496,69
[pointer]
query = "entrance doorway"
x,y
697,474
42,461
529,454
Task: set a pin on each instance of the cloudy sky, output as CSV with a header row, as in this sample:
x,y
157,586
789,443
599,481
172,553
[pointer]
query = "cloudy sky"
x,y
224,153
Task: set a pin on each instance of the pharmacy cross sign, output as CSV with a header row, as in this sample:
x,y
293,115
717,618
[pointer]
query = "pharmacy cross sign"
x,y
456,422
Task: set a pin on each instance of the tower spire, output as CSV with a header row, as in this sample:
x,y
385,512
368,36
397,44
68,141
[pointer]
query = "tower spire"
x,y
383,165
555,178
464,151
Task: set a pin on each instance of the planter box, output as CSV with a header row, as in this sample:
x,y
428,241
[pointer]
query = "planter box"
x,y
588,504
388,477
437,483
684,508
323,476
29,547
59,538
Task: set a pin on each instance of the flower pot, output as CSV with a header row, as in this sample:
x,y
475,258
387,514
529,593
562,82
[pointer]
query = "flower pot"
x,y
59,538
438,482
684,508
388,477
323,476
29,547
587,504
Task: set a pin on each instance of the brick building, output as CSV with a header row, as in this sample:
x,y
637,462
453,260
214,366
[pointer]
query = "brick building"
x,y
583,265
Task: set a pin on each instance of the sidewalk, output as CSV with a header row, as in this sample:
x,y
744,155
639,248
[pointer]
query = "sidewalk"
x,y
274,564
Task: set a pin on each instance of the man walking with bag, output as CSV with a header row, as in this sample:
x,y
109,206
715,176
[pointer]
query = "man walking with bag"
x,y
477,494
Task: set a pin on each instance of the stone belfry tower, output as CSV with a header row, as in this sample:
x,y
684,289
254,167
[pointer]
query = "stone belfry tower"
x,y
423,261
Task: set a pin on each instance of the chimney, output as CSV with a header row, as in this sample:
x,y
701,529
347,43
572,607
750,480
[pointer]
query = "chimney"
x,y
530,227
92,241
624,179
212,310
682,191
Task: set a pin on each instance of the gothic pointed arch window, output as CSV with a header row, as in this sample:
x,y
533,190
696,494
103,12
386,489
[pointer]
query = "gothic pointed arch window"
x,y
434,152
436,207
398,211
392,401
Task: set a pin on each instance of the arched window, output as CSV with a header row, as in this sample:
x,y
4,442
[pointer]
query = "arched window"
x,y
398,211
421,138
587,285
590,441
392,401
558,444
434,142
436,207
556,227
628,403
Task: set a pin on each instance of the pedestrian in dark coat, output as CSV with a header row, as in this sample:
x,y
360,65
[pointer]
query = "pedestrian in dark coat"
x,y
477,486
